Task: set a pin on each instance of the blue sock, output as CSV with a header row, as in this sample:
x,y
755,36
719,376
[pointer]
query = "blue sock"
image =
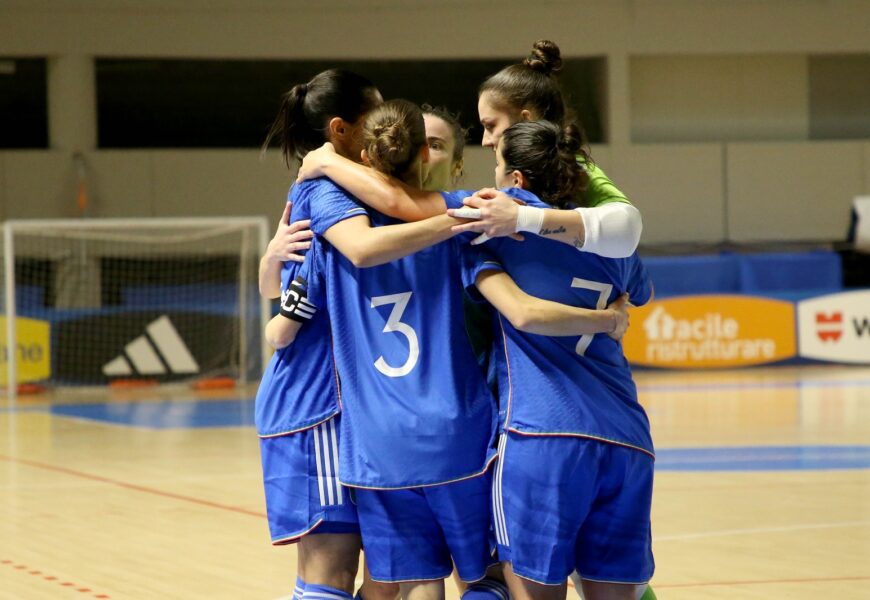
x,y
486,589
299,589
324,592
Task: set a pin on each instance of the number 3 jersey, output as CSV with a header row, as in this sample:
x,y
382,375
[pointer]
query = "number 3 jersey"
x,y
415,406
567,385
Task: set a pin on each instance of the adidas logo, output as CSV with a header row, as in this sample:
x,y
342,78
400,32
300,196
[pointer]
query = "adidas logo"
x,y
159,351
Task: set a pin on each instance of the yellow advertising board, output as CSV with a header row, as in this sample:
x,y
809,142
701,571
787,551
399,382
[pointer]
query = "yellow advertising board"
x,y
711,332
32,350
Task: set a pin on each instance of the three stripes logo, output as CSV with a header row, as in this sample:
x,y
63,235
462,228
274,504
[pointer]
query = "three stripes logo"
x,y
326,454
160,350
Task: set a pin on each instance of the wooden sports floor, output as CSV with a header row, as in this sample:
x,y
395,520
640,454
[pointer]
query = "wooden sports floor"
x,y
762,491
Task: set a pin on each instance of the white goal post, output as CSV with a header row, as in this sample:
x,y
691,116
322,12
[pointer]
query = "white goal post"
x,y
94,301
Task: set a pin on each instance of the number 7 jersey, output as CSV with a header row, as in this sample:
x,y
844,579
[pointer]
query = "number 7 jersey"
x,y
415,406
570,385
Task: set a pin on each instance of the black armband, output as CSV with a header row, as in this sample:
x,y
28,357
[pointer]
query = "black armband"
x,y
294,302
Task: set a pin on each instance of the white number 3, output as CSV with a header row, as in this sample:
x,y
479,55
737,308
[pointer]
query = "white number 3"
x,y
603,290
394,324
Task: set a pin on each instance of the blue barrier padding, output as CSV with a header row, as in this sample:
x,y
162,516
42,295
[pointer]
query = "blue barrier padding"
x,y
26,296
788,271
155,296
817,272
681,275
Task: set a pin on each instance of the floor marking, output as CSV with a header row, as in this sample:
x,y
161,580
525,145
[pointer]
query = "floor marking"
x,y
51,578
730,532
133,486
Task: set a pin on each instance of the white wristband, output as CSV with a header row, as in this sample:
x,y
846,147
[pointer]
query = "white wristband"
x,y
530,219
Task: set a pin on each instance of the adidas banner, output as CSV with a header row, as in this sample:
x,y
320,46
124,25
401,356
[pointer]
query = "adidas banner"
x,y
158,345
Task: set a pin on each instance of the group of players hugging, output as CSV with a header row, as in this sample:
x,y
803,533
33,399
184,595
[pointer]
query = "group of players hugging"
x,y
449,392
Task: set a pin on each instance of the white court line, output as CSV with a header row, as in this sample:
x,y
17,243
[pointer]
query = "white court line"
x,y
728,532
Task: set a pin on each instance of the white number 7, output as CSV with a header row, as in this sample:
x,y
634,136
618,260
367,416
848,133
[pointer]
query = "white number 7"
x,y
603,290
394,324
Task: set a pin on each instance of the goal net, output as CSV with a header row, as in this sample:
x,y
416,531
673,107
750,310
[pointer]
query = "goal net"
x,y
91,302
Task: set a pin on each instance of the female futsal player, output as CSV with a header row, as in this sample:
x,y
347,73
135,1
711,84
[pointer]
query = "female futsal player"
x,y
297,406
417,420
573,486
604,222
446,139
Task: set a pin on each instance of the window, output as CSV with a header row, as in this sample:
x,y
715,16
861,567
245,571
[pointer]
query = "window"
x,y
209,103
23,103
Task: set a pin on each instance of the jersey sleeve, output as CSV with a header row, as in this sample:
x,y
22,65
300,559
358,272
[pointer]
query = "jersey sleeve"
x,y
640,287
331,204
525,196
312,271
601,190
289,270
454,199
473,261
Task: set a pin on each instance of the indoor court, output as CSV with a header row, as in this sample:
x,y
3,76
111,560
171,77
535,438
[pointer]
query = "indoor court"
x,y
762,487
172,400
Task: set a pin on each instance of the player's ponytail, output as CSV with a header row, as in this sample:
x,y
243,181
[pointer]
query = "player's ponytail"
x,y
303,118
531,84
551,158
287,127
393,135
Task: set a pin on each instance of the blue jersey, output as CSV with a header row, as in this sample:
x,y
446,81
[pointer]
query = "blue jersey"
x,y
415,407
298,388
568,385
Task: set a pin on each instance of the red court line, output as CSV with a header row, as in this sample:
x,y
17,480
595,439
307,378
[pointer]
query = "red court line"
x,y
757,582
132,486
51,578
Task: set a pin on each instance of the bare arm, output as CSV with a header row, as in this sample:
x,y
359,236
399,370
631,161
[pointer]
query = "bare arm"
x,y
281,331
367,246
535,315
288,239
612,230
385,194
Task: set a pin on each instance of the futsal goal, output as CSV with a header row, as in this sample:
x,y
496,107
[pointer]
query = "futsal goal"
x,y
105,301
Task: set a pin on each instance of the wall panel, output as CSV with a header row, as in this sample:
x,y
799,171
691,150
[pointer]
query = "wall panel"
x,y
782,191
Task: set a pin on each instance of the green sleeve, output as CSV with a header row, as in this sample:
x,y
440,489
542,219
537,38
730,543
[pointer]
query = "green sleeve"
x,y
601,190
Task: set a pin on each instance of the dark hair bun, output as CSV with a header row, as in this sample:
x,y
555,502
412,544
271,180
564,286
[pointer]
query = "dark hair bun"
x,y
545,57
570,139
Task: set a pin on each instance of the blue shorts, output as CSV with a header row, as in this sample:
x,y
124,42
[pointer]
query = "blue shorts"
x,y
563,503
300,477
417,534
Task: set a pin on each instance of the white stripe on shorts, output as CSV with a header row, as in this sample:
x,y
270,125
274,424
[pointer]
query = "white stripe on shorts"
x,y
327,463
338,491
497,499
316,434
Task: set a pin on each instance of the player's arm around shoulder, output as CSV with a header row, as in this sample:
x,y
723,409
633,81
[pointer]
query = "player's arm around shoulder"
x,y
285,245
531,314
385,194
367,246
612,229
